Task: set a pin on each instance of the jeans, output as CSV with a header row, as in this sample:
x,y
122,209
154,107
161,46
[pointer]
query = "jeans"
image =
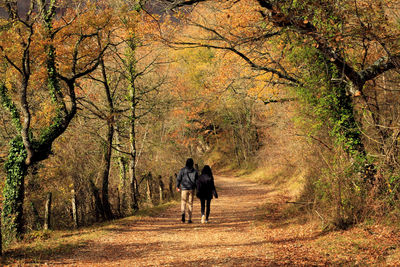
x,y
205,202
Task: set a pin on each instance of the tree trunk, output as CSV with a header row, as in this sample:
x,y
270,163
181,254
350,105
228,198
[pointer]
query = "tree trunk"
x,y
99,212
346,131
132,75
25,149
148,188
16,170
122,162
36,219
109,141
119,203
339,220
47,212
106,172
134,190
74,209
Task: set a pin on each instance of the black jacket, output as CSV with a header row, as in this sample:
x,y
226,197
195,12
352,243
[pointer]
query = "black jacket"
x,y
205,187
186,179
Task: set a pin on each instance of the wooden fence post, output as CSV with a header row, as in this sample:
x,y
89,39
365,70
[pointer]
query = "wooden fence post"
x,y
149,194
161,188
74,209
172,186
47,212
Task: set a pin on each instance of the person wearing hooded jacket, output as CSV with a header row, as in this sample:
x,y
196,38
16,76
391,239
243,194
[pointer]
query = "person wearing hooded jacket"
x,y
205,192
186,183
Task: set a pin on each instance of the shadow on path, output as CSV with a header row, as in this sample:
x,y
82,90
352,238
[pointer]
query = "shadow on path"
x,y
163,240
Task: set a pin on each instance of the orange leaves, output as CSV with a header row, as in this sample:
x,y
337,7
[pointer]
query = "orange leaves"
x,y
260,89
43,116
82,36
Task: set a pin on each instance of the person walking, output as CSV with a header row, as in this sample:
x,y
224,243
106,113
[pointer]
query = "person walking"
x,y
186,183
205,192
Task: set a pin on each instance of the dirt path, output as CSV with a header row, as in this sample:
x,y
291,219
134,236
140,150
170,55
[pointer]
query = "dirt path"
x,y
239,234
230,238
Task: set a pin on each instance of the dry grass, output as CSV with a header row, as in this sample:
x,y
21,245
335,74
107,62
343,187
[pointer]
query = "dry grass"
x,y
39,246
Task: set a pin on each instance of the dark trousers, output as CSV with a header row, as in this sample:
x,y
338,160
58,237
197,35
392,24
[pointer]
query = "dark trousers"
x,y
205,202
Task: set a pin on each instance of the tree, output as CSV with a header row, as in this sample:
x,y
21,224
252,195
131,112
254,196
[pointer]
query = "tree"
x,y
138,62
214,110
40,37
335,55
280,20
128,73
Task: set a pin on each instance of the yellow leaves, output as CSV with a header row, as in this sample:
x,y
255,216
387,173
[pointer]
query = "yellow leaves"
x,y
43,116
261,90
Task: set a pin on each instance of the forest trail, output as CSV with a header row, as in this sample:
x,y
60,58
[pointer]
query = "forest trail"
x,y
240,233
228,239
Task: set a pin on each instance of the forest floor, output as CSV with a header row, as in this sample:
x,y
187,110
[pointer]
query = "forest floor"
x,y
249,226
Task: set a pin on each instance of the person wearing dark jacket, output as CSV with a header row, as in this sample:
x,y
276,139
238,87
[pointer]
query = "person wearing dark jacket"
x,y
186,183
205,191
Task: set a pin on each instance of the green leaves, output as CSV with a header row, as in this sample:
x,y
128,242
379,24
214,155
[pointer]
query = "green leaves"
x,y
13,198
9,105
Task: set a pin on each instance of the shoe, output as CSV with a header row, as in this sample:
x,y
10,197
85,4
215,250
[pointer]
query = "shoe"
x,y
206,221
189,221
203,218
183,217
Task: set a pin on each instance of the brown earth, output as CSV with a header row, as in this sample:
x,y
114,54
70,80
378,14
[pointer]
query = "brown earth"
x,y
229,238
244,230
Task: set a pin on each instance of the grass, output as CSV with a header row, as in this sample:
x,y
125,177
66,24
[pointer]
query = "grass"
x,y
370,243
289,180
39,246
362,246
358,246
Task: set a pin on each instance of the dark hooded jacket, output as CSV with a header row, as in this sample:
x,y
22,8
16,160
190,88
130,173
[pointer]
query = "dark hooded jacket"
x,y
187,178
205,187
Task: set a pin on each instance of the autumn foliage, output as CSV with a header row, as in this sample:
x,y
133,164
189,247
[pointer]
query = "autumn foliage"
x,y
300,92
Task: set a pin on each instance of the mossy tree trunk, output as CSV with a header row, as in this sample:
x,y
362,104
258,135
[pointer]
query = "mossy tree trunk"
x,y
25,149
16,170
122,163
132,75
